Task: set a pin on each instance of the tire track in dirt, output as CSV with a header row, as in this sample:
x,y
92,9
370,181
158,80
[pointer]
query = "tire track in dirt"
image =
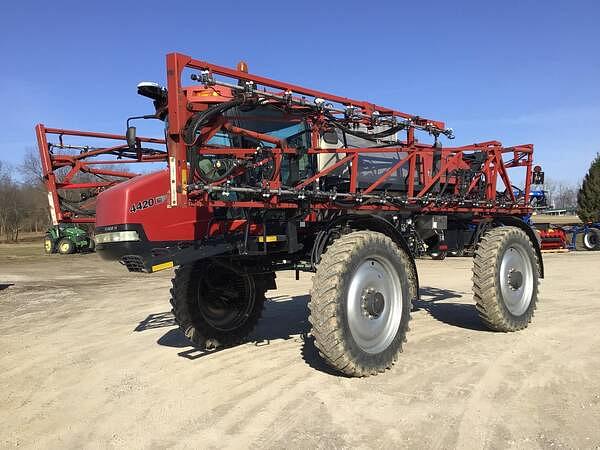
x,y
231,408
266,412
474,429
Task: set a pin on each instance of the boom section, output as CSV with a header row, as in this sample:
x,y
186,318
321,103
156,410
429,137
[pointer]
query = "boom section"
x,y
78,165
244,141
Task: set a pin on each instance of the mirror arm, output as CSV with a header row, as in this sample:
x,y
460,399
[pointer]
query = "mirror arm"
x,y
130,133
147,116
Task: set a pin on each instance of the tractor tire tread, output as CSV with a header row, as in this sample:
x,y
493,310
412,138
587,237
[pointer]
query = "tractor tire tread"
x,y
180,290
324,307
486,289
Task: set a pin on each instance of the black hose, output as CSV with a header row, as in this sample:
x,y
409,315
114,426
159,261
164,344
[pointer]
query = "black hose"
x,y
198,120
191,136
75,210
364,135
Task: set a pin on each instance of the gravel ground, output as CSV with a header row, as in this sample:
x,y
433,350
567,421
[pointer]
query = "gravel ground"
x,y
90,358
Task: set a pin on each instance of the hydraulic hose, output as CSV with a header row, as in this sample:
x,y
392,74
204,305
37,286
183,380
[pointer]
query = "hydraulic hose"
x,y
361,134
76,210
191,137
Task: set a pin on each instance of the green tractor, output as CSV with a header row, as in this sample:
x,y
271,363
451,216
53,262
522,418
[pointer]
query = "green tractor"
x,y
67,238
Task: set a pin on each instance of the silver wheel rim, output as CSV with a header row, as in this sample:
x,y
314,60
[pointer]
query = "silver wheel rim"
x,y
516,279
374,304
588,240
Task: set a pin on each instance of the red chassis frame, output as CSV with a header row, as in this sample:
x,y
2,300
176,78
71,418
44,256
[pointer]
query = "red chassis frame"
x,y
184,102
85,162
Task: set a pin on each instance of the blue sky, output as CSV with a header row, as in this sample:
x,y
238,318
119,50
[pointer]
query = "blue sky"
x,y
515,71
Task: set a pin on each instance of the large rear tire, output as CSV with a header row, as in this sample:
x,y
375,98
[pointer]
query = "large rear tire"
x,y
360,303
505,279
215,306
49,245
591,239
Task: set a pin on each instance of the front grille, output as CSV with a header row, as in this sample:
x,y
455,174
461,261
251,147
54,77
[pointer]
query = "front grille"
x,y
134,263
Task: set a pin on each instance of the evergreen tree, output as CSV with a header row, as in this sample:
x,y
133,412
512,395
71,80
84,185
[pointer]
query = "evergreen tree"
x,y
588,198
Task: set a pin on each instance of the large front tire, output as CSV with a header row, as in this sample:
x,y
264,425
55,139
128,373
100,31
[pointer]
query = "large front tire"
x,y
215,306
505,279
360,303
66,246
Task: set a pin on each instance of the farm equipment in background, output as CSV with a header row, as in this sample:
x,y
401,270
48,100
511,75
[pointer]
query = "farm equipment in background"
x,y
538,197
67,238
552,237
76,167
579,237
267,176
582,236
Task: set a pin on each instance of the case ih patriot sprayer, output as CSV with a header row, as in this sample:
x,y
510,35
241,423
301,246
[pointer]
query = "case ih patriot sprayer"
x,y
267,176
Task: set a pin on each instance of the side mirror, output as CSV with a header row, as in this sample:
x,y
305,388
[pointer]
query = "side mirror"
x,y
131,138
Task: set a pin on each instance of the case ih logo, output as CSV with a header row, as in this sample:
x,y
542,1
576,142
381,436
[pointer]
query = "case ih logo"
x,y
148,203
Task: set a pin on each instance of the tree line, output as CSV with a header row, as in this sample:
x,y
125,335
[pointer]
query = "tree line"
x,y
23,198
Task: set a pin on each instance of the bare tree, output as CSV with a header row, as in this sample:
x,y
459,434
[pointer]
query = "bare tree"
x,y
9,203
566,197
561,195
31,168
23,203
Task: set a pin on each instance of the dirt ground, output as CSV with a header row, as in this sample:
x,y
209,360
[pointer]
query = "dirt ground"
x,y
90,358
556,220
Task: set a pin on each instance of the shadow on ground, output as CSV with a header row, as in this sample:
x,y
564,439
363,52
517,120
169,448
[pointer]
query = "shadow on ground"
x,y
158,320
287,317
461,315
5,286
283,318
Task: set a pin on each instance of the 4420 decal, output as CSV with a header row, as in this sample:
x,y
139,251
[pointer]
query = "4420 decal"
x,y
147,203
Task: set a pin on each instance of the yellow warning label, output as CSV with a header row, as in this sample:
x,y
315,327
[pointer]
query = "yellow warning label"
x,y
162,266
271,238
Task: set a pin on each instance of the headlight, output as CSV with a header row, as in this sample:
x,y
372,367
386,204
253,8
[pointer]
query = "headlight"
x,y
117,236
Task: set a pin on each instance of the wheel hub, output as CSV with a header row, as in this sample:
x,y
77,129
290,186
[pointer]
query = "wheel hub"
x,y
372,302
515,279
225,299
